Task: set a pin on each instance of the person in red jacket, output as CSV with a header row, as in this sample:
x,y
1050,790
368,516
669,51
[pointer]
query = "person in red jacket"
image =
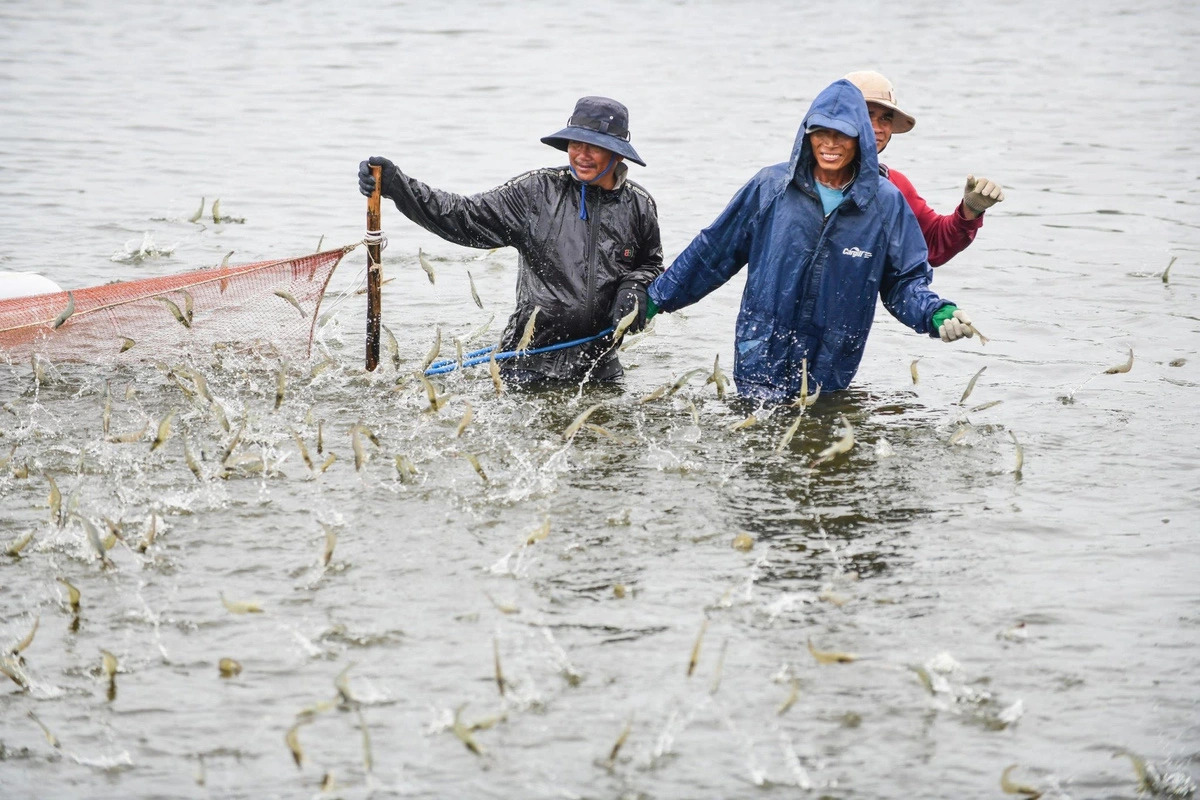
x,y
946,235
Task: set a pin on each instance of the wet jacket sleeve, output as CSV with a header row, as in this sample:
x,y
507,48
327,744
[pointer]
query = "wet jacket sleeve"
x,y
904,285
713,257
492,219
946,235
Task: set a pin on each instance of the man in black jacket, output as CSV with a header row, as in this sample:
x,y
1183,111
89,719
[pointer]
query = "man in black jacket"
x,y
587,236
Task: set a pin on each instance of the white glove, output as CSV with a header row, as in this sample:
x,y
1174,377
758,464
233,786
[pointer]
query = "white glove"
x,y
956,327
981,194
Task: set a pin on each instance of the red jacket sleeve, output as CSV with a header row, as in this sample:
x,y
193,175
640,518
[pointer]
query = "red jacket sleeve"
x,y
945,235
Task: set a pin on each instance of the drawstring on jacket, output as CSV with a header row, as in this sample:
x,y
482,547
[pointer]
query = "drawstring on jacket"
x,y
612,161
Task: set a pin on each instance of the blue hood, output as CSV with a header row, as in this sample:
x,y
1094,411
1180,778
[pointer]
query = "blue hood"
x,y
839,106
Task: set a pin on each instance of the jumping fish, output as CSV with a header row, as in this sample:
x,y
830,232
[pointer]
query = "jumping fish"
x,y
303,449
330,543
368,760
129,438
110,665
696,648
39,372
476,465
458,352
791,431
1128,365
1167,271
623,325
292,738
746,423
538,535
286,295
616,748
228,668
958,435
971,385
463,732
225,263
14,549
189,306
830,656
913,369
237,607
151,534
436,401
126,344
73,594
360,453
657,393
695,414
164,431
718,377
425,265
474,293
405,468
28,640
743,541
1008,786
328,462
791,698
466,420
93,537
320,436
500,682
199,211
393,346
480,331
192,463
574,427
982,339
433,351
66,312
56,504
494,369
839,447
1020,453
175,312
50,737
530,326
106,412
682,381
985,406
280,386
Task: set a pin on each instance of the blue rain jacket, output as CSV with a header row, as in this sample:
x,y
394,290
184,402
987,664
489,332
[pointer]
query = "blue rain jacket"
x,y
812,282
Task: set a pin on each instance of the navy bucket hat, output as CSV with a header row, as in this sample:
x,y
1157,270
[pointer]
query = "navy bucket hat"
x,y
600,121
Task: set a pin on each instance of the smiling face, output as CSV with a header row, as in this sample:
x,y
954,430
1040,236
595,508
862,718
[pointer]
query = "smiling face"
x,y
833,156
589,160
882,120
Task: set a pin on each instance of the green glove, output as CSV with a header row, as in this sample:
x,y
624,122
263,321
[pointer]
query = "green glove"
x,y
951,323
651,308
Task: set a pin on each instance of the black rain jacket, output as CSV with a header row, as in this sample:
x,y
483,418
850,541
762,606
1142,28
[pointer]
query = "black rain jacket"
x,y
569,267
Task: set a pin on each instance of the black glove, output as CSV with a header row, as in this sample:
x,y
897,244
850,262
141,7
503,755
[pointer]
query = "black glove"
x,y
366,181
630,295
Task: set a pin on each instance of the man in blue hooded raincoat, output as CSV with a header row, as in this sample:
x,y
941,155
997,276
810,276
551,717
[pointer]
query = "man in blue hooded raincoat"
x,y
823,235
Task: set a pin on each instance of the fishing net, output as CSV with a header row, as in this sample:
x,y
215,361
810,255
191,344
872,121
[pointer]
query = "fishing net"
x,y
248,307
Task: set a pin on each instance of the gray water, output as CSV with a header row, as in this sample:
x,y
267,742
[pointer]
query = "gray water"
x,y
1053,609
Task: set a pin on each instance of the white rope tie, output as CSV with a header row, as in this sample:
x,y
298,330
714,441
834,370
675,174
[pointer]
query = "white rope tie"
x,y
375,237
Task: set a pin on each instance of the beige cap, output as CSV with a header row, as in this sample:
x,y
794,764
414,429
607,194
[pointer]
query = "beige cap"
x,y
878,89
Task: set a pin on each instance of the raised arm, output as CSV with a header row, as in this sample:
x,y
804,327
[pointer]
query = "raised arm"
x,y
491,219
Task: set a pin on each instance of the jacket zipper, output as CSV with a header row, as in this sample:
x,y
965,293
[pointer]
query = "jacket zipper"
x,y
590,270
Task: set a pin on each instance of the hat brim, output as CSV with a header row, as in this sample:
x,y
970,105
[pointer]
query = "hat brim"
x,y
819,120
901,122
571,133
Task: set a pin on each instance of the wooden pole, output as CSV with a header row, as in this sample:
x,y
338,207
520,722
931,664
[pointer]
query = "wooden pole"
x,y
374,273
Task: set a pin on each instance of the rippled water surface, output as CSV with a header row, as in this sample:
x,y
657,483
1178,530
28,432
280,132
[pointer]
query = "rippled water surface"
x,y
581,617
